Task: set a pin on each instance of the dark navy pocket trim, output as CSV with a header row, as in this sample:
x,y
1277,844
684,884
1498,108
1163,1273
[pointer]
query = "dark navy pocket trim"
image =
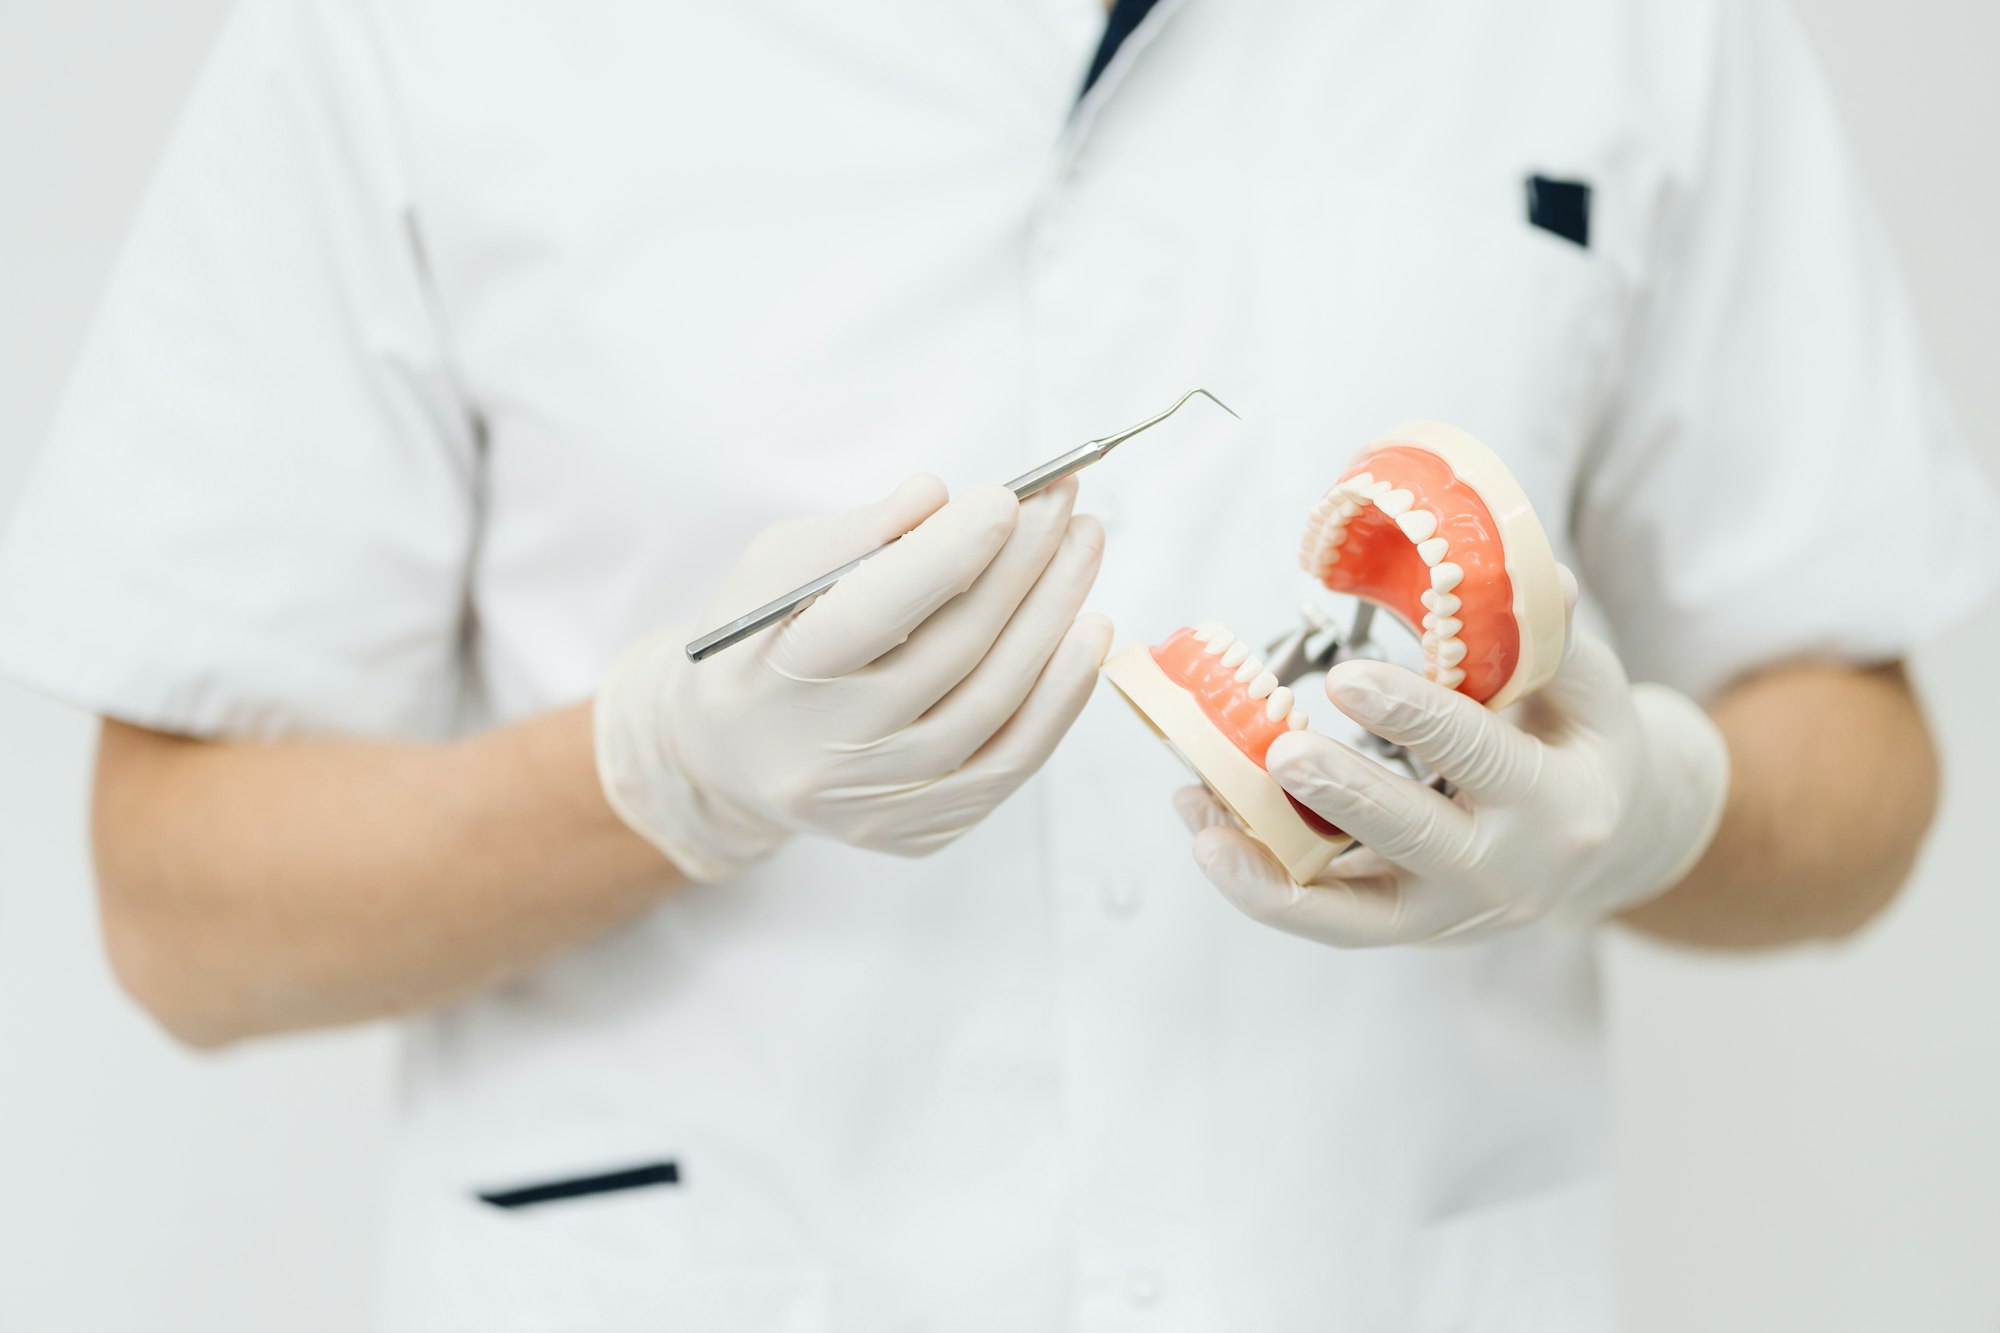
x,y
632,1178
1561,208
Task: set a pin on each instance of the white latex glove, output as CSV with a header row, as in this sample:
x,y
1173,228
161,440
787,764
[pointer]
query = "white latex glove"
x,y
1587,799
893,713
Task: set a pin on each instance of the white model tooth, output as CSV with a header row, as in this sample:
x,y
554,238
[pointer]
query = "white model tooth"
x,y
1249,671
1279,704
1376,490
1346,509
1235,653
1219,641
1395,503
1446,576
1333,536
1433,551
1357,485
1451,652
1441,603
1207,630
1419,525
1445,627
1297,721
1261,687
1450,677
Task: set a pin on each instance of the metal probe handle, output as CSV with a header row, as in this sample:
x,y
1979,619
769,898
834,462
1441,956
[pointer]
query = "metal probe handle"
x,y
1023,486
770,613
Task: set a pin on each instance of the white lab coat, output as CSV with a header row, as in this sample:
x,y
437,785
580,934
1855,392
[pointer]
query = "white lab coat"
x,y
460,343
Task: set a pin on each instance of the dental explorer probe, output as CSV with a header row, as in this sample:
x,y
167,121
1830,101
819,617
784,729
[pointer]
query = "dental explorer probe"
x,y
1023,486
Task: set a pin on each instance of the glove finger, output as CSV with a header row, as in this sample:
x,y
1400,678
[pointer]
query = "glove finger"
x,y
1589,693
787,553
981,703
1198,809
1029,737
1400,819
1345,913
1590,689
1358,862
881,604
1484,755
950,646
863,529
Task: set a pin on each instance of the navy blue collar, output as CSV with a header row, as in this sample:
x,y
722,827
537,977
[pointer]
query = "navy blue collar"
x,y
1126,16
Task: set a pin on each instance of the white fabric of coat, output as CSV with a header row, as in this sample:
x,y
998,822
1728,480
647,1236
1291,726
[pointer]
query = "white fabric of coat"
x,y
459,344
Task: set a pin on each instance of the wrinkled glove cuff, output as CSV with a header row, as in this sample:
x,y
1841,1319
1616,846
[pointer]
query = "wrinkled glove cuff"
x,y
1687,780
707,837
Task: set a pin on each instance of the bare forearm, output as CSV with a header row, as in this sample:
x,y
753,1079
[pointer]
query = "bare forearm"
x,y
257,888
1833,783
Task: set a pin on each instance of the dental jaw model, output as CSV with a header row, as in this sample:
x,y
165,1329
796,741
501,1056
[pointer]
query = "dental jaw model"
x,y
1428,525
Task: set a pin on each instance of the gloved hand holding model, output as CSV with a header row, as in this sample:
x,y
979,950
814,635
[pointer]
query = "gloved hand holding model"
x,y
894,712
1577,794
1589,798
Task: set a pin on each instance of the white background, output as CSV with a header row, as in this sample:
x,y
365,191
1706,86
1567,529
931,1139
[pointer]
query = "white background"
x,y
1808,1142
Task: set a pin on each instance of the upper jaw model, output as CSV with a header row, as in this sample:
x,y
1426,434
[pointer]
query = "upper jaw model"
x,y
1426,524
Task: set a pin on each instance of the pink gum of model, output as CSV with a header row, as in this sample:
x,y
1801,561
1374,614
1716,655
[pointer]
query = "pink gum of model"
x,y
1428,524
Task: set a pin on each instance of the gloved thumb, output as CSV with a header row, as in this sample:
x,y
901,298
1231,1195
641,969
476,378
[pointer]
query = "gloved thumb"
x,y
788,553
878,606
915,499
1590,686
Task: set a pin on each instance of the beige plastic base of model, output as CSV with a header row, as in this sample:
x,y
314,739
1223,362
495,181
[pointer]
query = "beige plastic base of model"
x,y
1251,794
1530,562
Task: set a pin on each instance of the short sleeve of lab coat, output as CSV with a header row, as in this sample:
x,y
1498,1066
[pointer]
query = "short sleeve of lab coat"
x,y
254,513
1782,477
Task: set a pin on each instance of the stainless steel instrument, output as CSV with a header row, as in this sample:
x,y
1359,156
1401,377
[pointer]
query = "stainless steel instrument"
x,y
1023,486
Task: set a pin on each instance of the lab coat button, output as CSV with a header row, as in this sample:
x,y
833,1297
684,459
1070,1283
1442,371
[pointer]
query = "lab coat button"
x,y
1120,895
1143,1288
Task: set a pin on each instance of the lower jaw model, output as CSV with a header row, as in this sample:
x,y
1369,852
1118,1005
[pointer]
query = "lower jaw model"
x,y
1428,525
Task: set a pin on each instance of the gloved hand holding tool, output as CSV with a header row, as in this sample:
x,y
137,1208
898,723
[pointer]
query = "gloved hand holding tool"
x,y
910,684
894,712
1584,800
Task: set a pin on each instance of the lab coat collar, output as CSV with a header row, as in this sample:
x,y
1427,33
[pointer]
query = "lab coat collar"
x,y
1089,106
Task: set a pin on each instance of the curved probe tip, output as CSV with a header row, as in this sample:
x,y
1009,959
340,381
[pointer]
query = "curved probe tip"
x,y
1211,398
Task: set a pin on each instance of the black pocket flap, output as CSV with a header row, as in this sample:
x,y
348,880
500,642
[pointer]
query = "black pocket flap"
x,y
609,1182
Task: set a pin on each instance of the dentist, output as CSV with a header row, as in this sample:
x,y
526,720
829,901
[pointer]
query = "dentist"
x,y
465,359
